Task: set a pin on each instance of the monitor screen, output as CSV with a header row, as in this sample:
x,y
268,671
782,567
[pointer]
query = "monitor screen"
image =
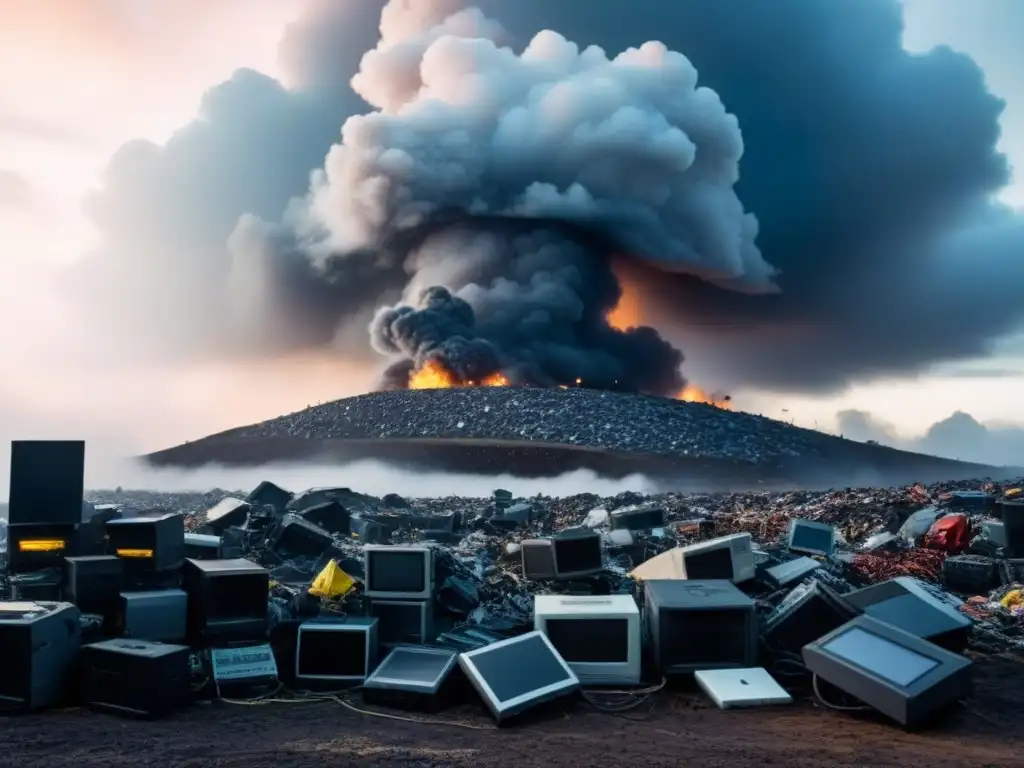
x,y
879,656
391,570
519,668
578,553
704,637
715,563
812,538
237,597
538,560
398,622
595,641
47,478
413,666
332,653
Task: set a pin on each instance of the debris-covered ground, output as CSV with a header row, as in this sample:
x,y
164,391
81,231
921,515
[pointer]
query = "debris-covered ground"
x,y
934,533
589,418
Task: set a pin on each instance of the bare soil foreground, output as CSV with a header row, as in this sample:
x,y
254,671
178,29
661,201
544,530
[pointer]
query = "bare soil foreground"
x,y
677,730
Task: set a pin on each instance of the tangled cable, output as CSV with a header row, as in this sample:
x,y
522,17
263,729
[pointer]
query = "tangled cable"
x,y
617,702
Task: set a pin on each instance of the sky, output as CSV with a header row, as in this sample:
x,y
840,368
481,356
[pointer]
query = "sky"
x,y
83,78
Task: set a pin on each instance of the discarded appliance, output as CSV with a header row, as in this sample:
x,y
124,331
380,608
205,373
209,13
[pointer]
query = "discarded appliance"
x,y
35,586
896,673
94,583
47,482
159,615
399,572
419,679
975,574
577,553
202,546
995,532
727,557
1013,525
598,637
226,513
135,677
35,546
296,536
521,514
906,603
807,612
243,669
791,572
270,495
538,557
149,546
335,650
41,643
402,622
974,500
695,625
227,601
331,516
642,518
518,674
732,688
810,537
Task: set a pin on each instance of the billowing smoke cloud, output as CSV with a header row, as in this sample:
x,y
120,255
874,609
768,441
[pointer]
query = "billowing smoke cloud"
x,y
959,436
868,169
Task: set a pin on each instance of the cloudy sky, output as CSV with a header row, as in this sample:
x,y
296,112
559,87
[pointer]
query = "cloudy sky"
x,y
106,335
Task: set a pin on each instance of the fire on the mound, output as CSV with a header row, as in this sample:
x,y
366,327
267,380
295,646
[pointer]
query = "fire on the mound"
x,y
626,314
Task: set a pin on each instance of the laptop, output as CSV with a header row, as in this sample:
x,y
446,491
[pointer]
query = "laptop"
x,y
752,687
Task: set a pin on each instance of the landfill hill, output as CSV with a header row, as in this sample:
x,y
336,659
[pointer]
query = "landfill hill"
x,y
539,432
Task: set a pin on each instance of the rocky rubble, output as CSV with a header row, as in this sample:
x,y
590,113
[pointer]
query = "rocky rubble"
x,y
580,417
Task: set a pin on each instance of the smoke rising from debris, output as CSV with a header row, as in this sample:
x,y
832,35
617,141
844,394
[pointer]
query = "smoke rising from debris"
x,y
864,174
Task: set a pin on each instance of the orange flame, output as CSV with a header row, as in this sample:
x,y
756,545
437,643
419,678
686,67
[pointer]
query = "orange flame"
x,y
693,394
433,375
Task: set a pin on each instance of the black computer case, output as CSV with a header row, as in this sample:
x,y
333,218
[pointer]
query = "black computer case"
x,y
135,677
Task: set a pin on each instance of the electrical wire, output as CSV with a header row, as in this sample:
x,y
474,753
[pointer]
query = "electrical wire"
x,y
617,702
838,707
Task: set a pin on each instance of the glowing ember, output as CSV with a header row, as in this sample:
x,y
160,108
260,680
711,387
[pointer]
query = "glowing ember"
x,y
692,394
433,375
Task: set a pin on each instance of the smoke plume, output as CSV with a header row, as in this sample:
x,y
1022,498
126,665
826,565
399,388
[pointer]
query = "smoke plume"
x,y
488,171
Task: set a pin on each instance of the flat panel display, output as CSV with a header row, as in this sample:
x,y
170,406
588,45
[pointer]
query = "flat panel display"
x,y
812,538
413,666
520,668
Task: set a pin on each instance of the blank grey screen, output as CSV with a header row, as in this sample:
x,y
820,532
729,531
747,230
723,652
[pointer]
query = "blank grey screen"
x,y
886,659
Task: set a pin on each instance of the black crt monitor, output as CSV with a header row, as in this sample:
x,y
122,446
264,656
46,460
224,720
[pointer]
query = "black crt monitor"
x,y
147,544
577,553
518,674
227,600
643,518
694,625
47,481
416,678
402,622
807,612
336,650
399,572
811,537
538,559
903,677
94,583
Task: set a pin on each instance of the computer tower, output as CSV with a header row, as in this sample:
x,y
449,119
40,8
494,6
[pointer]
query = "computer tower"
x,y
161,615
136,677
40,643
94,583
694,625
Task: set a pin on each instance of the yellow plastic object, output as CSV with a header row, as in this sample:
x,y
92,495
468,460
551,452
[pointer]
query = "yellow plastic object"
x,y
40,545
134,552
332,582
1011,492
1012,599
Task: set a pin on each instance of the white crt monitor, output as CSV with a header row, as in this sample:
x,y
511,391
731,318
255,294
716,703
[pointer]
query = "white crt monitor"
x,y
599,637
727,557
399,572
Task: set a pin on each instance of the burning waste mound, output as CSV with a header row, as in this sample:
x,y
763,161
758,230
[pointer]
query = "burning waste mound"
x,y
493,190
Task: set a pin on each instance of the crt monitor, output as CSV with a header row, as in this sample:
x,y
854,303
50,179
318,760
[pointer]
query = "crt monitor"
x,y
811,537
693,625
336,650
227,600
577,553
47,481
399,572
152,544
901,676
726,557
598,637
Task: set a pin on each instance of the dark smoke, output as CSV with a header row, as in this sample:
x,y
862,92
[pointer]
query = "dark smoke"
x,y
869,171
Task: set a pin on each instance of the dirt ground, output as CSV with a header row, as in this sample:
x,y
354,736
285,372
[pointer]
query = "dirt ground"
x,y
680,729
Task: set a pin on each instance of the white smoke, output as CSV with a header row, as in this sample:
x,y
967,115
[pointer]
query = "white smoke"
x,y
463,123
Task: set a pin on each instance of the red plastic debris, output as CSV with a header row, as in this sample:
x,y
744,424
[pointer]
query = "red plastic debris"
x,y
950,534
